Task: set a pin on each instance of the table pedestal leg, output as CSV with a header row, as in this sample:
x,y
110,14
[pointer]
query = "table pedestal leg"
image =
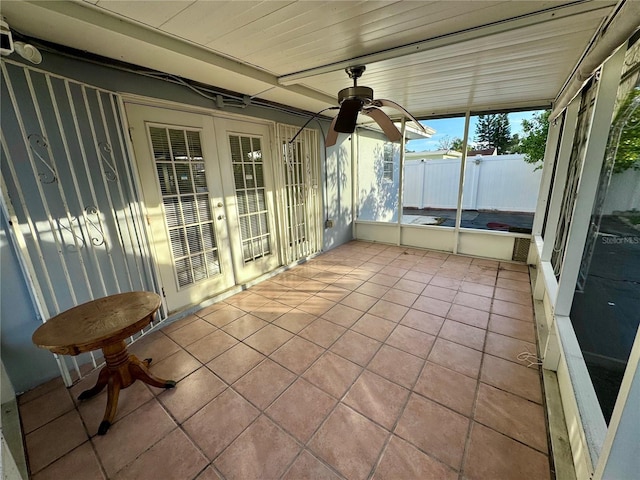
x,y
120,372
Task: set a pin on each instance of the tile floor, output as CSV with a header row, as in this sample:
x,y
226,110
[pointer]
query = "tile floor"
x,y
369,361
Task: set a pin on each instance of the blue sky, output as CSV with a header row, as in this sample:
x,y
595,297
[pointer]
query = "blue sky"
x,y
454,127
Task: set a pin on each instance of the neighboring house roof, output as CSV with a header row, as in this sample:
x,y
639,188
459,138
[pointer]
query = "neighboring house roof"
x,y
432,155
484,152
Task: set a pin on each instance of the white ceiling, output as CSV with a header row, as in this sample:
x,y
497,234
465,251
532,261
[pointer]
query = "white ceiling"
x,y
432,57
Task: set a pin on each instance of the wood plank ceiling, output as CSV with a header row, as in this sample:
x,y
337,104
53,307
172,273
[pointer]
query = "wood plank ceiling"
x,y
468,54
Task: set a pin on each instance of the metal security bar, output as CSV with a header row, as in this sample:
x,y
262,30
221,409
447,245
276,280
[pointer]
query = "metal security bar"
x,y
299,202
68,192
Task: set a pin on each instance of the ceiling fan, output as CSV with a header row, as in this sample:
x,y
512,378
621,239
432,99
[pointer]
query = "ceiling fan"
x,y
359,99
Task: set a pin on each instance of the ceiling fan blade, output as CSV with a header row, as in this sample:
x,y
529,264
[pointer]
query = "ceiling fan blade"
x,y
387,126
348,115
381,102
332,135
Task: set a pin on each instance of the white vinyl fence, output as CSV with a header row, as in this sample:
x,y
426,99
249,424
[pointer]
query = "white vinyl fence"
x,y
500,182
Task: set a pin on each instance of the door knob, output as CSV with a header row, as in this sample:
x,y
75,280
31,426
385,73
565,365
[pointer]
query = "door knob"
x,y
220,204
221,217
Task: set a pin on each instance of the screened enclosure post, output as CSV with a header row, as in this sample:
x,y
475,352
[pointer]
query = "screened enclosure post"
x,y
589,179
463,164
550,151
562,165
403,141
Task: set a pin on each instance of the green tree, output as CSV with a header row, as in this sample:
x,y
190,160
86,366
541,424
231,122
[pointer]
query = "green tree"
x,y
534,139
458,145
494,131
628,121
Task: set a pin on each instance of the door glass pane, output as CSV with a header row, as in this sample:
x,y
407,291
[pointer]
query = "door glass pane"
x,y
181,173
246,156
432,174
606,303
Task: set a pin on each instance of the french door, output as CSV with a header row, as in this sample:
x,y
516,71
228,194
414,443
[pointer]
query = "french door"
x,y
207,189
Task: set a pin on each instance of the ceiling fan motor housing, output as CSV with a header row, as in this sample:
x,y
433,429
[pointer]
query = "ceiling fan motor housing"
x,y
363,93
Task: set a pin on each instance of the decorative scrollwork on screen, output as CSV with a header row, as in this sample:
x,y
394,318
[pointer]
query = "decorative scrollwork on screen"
x,y
40,148
108,163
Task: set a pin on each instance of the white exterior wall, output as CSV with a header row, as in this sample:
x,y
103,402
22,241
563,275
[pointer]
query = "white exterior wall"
x,y
499,182
377,196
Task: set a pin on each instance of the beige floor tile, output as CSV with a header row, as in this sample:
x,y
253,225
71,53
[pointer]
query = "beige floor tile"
x,y
434,429
306,466
520,276
271,310
374,327
410,286
224,315
245,457
384,279
301,409
480,276
512,415
235,362
456,357
423,321
316,305
295,320
474,301
356,347
248,301
174,456
349,442
41,390
333,374
348,283
463,334
342,315
513,310
45,445
212,345
264,383
268,339
191,332
522,298
451,389
173,326
45,408
209,473
174,367
396,365
492,455
79,463
334,293
512,377
359,301
244,326
439,293
445,281
470,316
377,399
297,354
401,460
508,348
388,310
411,341
293,298
128,438
155,345
512,328
372,289
191,394
219,422
508,284
477,288
322,332
432,305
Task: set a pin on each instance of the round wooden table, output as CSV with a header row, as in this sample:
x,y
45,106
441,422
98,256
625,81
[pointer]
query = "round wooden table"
x,y
105,323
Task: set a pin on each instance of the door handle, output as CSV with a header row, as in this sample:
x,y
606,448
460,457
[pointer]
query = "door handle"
x,y
221,217
220,205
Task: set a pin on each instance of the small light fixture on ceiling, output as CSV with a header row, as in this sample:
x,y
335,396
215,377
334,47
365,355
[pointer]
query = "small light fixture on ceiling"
x,y
28,52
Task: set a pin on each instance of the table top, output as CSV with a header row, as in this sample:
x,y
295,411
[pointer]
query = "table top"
x,y
97,323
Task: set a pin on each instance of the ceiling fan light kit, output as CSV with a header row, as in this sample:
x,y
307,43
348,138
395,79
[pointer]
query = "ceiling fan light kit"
x,y
359,99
